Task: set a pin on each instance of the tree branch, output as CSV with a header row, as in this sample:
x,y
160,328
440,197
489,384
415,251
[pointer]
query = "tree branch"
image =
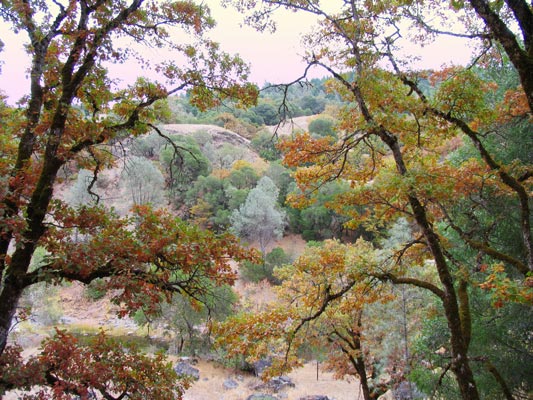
x,y
411,281
521,59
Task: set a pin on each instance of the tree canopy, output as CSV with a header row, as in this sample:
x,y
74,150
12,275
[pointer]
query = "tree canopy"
x,y
422,177
397,129
72,113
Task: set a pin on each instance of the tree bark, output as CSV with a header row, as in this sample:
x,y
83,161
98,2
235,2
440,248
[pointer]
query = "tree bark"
x,y
459,345
522,58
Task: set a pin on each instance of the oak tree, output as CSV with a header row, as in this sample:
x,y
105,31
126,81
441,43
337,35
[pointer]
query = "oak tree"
x,y
72,111
394,136
320,303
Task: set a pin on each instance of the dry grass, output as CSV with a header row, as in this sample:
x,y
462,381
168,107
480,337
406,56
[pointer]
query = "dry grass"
x,y
212,377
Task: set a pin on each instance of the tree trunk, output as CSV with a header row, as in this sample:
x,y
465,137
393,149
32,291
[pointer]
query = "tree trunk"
x,y
9,299
459,343
522,58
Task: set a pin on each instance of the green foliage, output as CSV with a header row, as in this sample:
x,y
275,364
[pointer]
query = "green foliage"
x,y
231,122
73,116
277,257
223,157
267,112
322,127
42,300
259,218
312,105
95,290
183,319
244,177
144,181
265,144
211,199
282,178
318,221
183,163
305,99
79,194
148,146
256,272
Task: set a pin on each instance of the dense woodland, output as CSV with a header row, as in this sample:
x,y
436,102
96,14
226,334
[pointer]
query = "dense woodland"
x,y
412,189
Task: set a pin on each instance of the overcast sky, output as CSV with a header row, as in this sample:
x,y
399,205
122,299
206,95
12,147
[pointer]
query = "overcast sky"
x,y
273,57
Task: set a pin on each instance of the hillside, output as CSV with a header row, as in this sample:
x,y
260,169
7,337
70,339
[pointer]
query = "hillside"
x,y
220,135
289,126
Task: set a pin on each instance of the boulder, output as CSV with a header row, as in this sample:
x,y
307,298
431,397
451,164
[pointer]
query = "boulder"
x,y
315,397
230,384
261,365
276,384
407,391
388,395
185,369
261,396
280,382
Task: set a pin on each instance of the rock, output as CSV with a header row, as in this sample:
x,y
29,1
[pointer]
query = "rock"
x,y
276,384
315,397
388,395
261,396
261,365
189,360
183,368
407,391
280,382
66,320
230,384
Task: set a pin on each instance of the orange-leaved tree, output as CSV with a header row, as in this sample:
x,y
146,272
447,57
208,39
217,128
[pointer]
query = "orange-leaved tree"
x,y
72,113
320,304
396,131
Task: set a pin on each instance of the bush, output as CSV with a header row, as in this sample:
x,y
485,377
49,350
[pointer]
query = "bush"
x,y
322,127
265,145
258,272
95,290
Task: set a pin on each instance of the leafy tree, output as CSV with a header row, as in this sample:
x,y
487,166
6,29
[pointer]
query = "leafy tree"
x,y
321,302
71,112
185,322
268,113
322,127
184,163
232,123
318,221
224,156
148,146
312,104
265,144
143,181
394,141
281,177
243,176
258,219
214,197
257,272
80,192
103,367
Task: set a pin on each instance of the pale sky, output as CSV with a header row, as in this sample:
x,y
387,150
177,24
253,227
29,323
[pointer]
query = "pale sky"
x,y
274,58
